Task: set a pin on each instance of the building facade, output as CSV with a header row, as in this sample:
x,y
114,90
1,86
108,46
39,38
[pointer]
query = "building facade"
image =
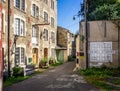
x,y
103,43
65,40
33,27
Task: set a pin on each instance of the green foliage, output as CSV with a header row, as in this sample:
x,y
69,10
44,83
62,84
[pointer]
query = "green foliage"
x,y
117,82
44,60
81,37
105,12
102,9
99,76
103,85
57,63
70,58
12,80
18,71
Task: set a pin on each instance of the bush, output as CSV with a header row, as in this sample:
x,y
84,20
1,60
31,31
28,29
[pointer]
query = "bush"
x,y
70,58
43,63
18,71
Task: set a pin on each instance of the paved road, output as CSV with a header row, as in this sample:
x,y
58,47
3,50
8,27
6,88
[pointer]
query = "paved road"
x,y
61,78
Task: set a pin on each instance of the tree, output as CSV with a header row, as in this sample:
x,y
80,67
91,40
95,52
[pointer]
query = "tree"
x,y
101,9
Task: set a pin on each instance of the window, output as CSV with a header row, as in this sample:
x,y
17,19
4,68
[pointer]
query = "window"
x,y
35,11
17,51
22,27
45,17
23,5
22,55
19,55
46,1
53,37
19,27
3,30
17,3
52,4
35,31
45,34
52,22
20,4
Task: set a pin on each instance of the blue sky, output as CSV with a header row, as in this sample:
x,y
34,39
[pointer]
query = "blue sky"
x,y
66,10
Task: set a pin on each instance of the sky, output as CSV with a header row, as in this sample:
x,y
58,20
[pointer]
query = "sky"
x,y
66,10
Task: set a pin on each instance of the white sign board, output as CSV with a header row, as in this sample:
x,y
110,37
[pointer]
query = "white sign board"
x,y
101,51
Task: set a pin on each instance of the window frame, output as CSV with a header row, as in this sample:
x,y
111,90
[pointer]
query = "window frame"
x,y
52,22
46,35
46,17
20,4
35,11
20,55
46,1
35,31
19,29
53,37
52,4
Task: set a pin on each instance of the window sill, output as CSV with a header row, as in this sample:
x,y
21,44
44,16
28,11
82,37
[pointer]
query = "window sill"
x,y
35,17
20,10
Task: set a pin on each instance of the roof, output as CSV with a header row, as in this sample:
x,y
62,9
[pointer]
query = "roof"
x,y
60,48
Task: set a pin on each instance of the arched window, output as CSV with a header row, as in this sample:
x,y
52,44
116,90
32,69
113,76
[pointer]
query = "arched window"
x,y
19,27
35,11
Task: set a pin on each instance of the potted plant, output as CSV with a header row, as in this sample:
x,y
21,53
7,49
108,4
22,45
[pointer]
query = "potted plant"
x,y
43,63
51,60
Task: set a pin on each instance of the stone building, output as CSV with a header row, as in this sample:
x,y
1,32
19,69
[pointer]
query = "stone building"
x,y
103,43
33,26
65,40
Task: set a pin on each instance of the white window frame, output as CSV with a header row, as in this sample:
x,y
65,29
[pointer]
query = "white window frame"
x,y
21,19
35,12
20,5
46,20
35,31
20,61
20,27
52,22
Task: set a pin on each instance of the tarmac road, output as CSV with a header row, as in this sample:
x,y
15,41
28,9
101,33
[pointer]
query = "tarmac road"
x,y
61,78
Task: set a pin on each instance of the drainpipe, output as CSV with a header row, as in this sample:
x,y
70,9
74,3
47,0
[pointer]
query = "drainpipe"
x,y
9,73
1,59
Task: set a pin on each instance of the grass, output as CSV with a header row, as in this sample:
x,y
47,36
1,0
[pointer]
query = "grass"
x,y
117,82
57,64
12,80
100,76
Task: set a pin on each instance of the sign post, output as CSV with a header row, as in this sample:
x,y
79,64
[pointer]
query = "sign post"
x,y
1,76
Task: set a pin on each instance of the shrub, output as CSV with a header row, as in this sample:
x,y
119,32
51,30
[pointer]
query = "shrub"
x,y
43,63
70,58
51,60
18,71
